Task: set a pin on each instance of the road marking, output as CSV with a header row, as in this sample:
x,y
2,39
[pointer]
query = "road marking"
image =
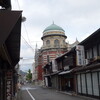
x,y
30,94
24,88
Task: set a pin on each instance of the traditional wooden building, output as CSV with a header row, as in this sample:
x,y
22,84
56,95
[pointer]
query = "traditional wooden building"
x,y
10,34
59,74
88,75
66,66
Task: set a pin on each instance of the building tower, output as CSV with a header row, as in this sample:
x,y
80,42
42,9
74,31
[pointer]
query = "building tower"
x,y
54,43
53,46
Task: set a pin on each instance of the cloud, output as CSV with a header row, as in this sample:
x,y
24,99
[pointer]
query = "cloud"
x,y
79,18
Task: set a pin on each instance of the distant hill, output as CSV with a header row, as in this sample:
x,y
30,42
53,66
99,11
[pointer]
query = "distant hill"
x,y
22,73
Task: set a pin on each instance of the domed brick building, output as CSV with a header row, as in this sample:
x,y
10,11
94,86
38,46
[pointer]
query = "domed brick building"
x,y
54,43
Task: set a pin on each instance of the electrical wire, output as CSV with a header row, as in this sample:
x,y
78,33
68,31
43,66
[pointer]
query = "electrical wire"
x,y
26,32
25,39
18,4
27,43
24,23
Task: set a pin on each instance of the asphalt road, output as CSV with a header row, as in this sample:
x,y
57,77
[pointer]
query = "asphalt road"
x,y
30,92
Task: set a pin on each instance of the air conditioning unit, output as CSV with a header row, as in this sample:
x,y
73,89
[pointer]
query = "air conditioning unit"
x,y
86,61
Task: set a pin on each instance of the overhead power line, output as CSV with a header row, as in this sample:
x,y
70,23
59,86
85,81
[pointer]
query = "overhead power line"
x,y
27,43
18,4
27,58
24,23
26,32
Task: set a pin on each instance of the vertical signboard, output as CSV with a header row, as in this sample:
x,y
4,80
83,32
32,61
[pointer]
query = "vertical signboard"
x,y
9,85
80,55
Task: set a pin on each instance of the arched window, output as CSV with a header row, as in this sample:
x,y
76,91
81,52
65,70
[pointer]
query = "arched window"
x,y
56,42
63,41
48,42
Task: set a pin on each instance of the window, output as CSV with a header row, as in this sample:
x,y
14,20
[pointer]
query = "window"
x,y
56,42
89,54
48,59
95,51
63,41
48,42
99,50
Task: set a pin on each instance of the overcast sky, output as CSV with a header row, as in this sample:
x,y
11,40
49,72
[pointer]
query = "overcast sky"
x,y
79,19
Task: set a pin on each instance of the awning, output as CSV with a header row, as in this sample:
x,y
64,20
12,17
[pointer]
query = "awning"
x,y
8,21
10,35
88,67
51,74
65,72
46,75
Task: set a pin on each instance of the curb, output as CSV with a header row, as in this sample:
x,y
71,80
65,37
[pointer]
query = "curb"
x,y
80,96
72,94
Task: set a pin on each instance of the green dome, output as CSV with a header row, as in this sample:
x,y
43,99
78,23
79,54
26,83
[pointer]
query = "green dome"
x,y
53,27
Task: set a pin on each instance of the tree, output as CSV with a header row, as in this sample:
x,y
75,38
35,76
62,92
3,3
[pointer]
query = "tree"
x,y
29,76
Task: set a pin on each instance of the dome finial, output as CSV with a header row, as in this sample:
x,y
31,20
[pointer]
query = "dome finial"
x,y
53,22
76,38
53,27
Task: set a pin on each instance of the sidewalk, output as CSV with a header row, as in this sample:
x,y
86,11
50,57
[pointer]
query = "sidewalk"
x,y
18,96
72,94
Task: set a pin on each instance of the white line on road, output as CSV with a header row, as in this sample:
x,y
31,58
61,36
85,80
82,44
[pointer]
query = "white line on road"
x,y
30,94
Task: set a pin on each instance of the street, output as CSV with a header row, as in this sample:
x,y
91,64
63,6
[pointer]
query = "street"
x,y
30,92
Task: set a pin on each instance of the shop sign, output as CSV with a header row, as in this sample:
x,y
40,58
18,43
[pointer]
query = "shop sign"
x,y
9,89
80,55
9,85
